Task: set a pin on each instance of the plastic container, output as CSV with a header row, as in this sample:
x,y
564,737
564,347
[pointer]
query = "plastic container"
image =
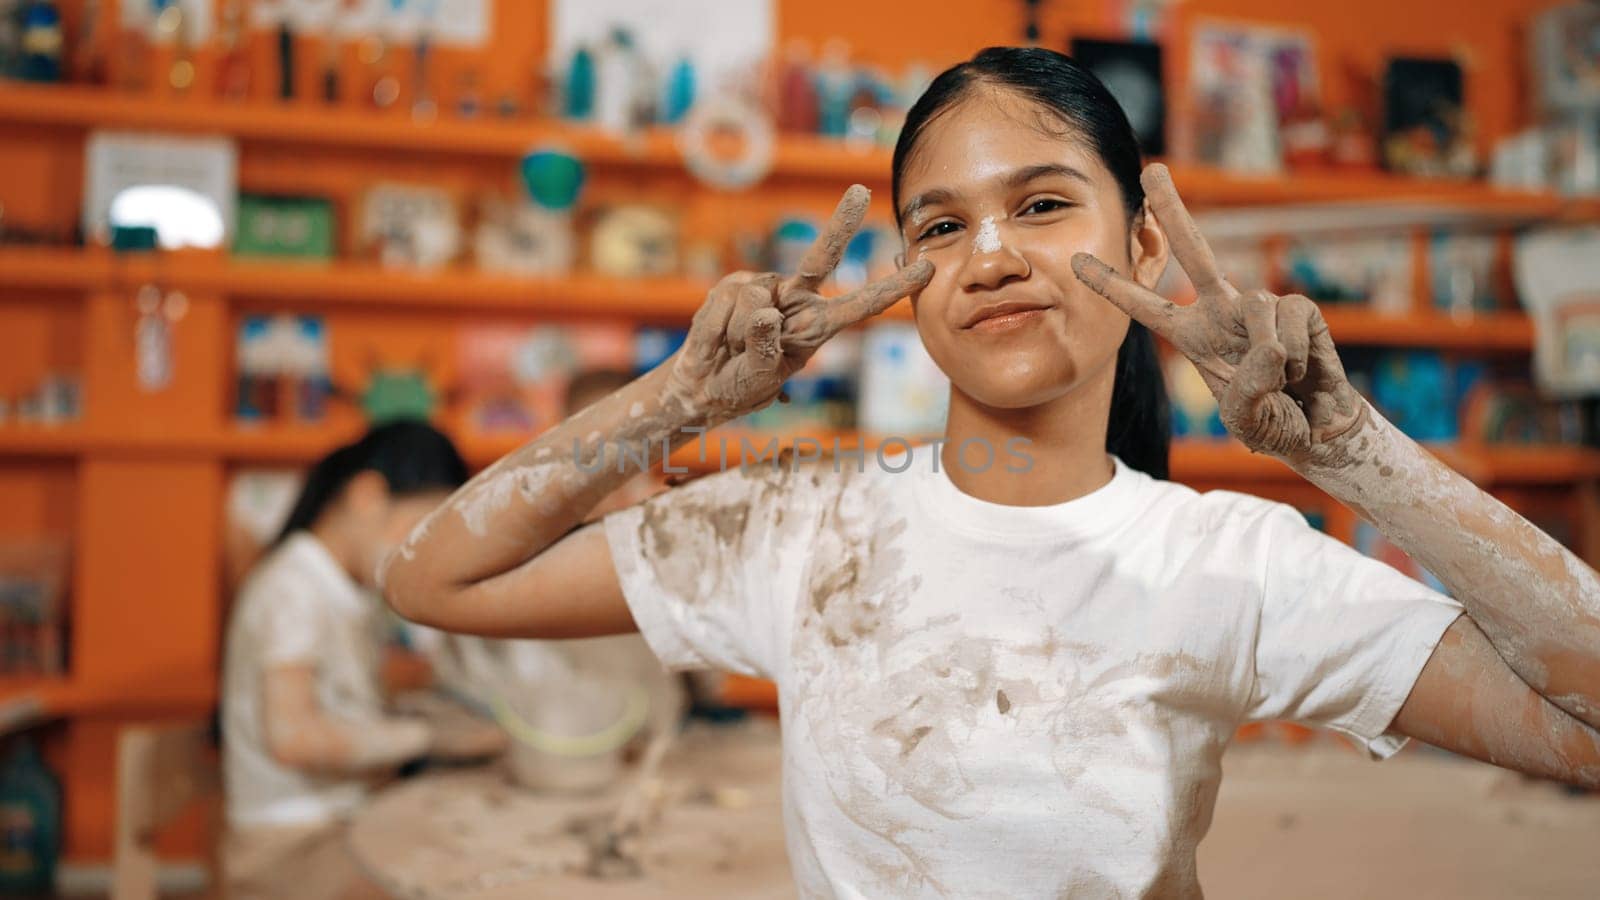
x,y
30,822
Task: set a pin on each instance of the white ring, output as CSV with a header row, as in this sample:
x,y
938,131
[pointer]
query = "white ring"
x,y
727,111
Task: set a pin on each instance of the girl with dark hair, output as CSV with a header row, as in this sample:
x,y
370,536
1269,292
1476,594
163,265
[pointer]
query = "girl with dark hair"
x,y
304,727
1015,675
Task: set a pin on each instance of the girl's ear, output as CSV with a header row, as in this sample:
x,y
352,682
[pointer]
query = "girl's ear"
x,y
1147,248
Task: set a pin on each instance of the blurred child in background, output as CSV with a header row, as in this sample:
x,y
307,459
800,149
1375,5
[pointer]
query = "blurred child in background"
x,y
305,728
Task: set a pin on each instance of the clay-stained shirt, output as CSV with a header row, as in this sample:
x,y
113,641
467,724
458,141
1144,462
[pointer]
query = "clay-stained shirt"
x,y
982,700
298,607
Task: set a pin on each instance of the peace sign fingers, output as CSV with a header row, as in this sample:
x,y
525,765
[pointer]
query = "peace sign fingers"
x,y
1216,296
878,296
824,255
1143,305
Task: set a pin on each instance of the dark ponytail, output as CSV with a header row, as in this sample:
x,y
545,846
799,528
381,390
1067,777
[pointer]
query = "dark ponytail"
x,y
412,457
1140,428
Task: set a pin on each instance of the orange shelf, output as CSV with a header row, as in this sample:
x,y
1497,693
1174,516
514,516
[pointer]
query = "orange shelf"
x,y
42,440
26,701
55,268
1192,459
302,125
1486,465
1534,465
665,299
662,299
1224,460
748,693
1495,331
324,126
305,125
1205,186
362,283
351,283
800,156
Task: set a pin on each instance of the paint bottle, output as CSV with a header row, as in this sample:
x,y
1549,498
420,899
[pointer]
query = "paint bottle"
x,y
619,83
679,95
468,100
41,42
233,79
88,57
580,92
835,88
30,822
797,94
286,74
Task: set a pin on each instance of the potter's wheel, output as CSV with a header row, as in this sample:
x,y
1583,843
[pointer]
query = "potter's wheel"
x,y
476,834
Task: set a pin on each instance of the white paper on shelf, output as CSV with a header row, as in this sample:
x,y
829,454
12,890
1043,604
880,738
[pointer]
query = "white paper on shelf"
x,y
198,21
115,161
460,23
1557,274
724,39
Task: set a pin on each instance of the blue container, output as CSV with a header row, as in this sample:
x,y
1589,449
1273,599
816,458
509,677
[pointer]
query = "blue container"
x,y
30,822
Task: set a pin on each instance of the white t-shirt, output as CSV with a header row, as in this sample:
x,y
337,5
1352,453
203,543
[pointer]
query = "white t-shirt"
x,y
298,606
981,700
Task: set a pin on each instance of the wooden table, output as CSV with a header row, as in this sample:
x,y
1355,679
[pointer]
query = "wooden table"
x,y
475,834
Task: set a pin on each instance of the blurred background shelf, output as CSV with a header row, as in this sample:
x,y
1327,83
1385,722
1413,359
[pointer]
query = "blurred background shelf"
x,y
795,156
88,107
25,700
666,299
1192,459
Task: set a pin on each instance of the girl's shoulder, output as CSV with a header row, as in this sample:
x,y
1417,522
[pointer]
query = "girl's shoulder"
x,y
1219,514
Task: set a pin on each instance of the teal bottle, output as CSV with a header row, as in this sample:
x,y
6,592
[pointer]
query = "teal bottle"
x,y
580,85
679,93
30,822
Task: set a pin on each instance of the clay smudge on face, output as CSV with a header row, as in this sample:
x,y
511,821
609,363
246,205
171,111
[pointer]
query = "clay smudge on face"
x,y
917,212
636,410
987,240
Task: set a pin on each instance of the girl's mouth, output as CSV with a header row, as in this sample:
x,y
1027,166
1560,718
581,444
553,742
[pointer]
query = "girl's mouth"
x,y
1008,321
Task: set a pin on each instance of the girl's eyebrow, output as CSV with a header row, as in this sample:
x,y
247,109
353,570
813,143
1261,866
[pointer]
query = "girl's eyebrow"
x,y
923,201
1011,180
1022,176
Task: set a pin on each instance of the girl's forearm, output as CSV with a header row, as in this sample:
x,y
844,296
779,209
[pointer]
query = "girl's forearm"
x,y
528,500
1538,603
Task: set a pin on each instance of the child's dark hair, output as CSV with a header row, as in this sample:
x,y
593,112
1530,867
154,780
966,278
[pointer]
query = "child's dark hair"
x,y
412,457
1140,428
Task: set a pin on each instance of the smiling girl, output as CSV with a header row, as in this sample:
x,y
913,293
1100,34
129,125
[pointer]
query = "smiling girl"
x,y
1019,680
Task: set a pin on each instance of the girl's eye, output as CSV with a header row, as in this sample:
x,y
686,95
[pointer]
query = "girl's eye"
x,y
938,229
1039,207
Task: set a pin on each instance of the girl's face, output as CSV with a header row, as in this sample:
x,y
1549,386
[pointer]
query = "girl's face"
x,y
1000,205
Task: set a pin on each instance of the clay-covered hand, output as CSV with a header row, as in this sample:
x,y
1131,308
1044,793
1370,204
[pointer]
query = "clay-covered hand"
x,y
1268,359
755,330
